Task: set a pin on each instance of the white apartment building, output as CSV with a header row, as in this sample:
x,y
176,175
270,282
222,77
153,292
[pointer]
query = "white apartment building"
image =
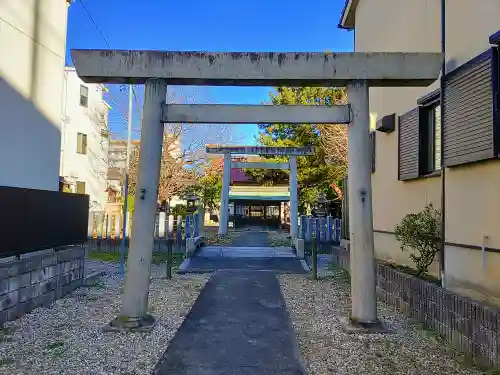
x,y
85,138
33,45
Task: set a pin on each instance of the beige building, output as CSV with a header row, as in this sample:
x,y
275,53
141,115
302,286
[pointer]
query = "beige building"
x,y
407,168
33,45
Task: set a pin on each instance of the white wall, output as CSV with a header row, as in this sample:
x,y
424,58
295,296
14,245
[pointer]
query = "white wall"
x,y
33,43
91,167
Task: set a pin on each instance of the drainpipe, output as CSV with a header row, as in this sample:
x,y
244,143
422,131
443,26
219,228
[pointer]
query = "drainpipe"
x,y
63,122
443,168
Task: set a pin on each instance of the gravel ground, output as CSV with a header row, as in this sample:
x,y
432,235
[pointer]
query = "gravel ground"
x,y
314,306
66,337
279,238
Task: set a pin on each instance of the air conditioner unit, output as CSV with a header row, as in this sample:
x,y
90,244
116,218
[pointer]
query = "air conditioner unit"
x,y
73,174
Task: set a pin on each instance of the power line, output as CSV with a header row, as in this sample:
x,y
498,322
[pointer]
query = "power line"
x,y
109,46
95,23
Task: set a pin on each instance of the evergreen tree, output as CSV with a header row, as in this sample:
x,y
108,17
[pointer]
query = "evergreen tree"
x,y
316,173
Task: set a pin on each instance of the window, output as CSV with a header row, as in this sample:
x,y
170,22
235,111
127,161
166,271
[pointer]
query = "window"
x,y
81,143
430,138
84,96
80,187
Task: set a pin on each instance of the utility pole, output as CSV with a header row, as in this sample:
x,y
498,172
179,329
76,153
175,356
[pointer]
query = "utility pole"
x,y
127,170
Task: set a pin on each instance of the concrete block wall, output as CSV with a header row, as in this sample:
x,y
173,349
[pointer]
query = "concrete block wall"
x,y
36,281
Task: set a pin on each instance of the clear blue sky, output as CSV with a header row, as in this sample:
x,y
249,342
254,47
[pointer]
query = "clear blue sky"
x,y
201,25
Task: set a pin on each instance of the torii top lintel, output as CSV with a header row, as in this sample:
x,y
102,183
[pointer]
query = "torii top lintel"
x,y
258,68
261,150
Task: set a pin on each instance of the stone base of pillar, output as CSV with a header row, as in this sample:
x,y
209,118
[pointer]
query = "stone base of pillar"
x,y
192,244
344,244
124,324
299,246
349,325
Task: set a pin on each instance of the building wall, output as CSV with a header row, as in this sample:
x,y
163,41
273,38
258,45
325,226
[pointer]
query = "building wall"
x,y
117,156
91,167
33,43
472,199
118,153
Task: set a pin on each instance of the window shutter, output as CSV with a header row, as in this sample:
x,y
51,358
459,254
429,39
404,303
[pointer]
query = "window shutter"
x,y
408,145
495,78
469,111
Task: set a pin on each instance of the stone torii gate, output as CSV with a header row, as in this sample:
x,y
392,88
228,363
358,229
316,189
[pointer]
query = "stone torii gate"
x,y
156,69
290,152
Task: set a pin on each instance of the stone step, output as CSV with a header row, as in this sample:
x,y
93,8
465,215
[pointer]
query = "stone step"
x,y
246,252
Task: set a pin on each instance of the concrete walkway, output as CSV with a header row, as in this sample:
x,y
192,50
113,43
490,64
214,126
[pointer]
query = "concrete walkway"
x,y
252,239
238,325
208,265
245,252
249,251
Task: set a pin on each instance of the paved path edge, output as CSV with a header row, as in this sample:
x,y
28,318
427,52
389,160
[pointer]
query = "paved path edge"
x,y
305,265
295,340
157,368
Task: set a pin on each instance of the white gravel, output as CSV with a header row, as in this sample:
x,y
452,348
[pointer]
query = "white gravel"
x,y
66,337
314,307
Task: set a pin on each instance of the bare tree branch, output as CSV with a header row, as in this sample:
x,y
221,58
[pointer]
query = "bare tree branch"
x,y
183,152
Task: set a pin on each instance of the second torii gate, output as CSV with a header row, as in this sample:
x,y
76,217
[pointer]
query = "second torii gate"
x,y
156,69
290,152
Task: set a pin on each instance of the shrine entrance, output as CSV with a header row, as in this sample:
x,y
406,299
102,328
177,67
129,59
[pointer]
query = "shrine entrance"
x,y
356,71
256,214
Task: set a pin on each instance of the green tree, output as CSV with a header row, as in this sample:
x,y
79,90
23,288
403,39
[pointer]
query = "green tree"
x,y
315,173
209,185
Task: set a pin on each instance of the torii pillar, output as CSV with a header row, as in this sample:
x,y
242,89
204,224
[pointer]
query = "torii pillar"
x,y
357,71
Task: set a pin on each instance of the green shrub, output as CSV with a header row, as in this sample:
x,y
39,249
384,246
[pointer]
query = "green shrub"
x,y
419,233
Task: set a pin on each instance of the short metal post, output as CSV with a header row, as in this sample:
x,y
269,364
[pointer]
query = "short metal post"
x,y
314,260
170,244
314,255
178,234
